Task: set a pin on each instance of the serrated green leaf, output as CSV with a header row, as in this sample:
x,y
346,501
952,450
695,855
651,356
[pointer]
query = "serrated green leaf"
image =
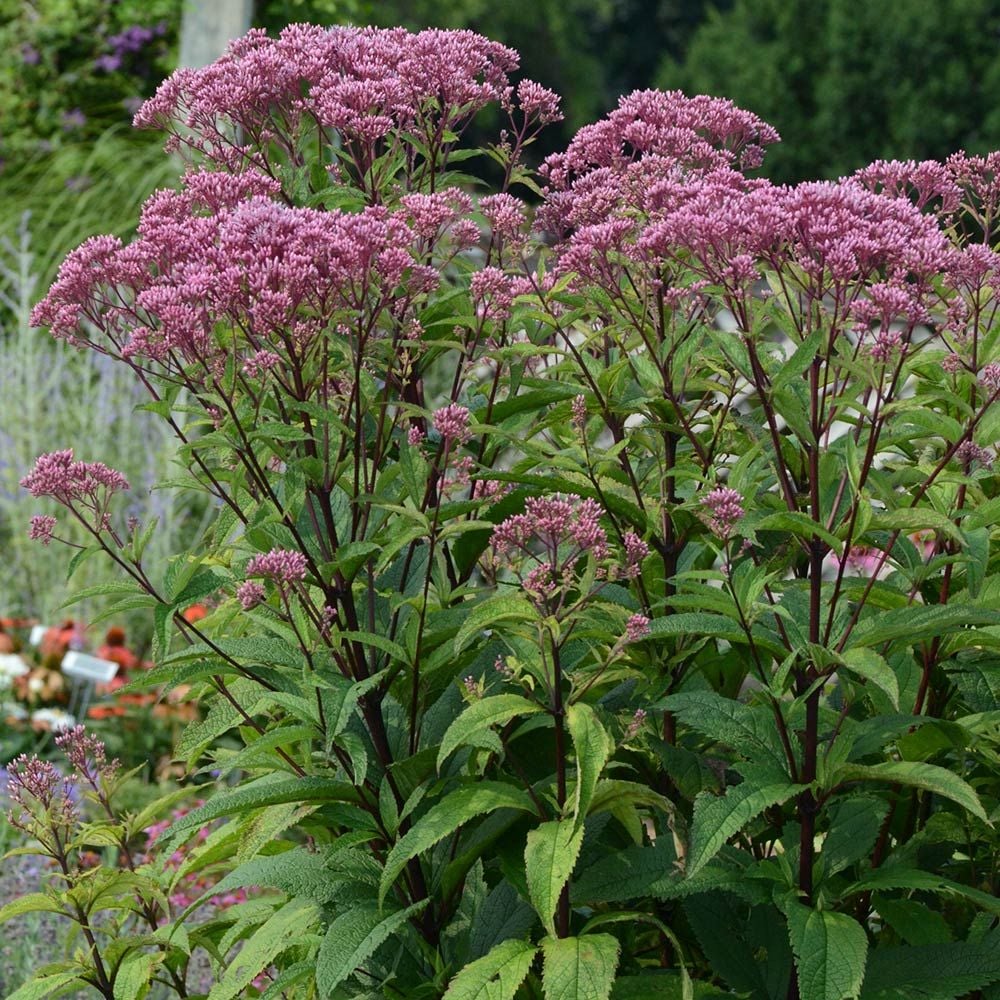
x,y
274,936
352,939
931,972
549,858
132,980
830,952
579,968
445,818
625,874
268,791
34,902
497,710
719,817
930,777
592,746
748,729
501,607
870,666
46,986
495,976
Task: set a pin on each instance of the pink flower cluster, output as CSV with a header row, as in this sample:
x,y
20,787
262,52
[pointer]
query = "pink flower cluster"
x,y
223,249
363,82
452,423
284,566
41,796
545,544
724,510
87,754
41,528
85,488
56,475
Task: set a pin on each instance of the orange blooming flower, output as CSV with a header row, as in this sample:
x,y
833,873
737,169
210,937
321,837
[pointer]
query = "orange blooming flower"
x,y
195,613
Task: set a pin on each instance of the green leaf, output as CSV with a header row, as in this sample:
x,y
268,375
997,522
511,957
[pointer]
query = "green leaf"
x,y
718,817
932,972
495,976
445,818
930,777
855,821
625,874
915,623
800,525
34,902
502,607
269,791
352,939
549,857
133,976
297,872
497,710
273,937
870,666
579,968
592,751
748,729
830,952
45,986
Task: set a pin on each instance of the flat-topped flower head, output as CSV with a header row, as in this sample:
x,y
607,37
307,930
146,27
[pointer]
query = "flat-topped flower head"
x,y
57,475
363,82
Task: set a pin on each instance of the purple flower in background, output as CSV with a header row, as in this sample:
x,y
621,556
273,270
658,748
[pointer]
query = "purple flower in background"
x,y
132,39
109,62
30,56
73,119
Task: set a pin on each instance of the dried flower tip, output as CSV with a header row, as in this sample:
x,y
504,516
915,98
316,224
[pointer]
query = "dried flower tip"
x,y
579,410
635,723
414,436
969,452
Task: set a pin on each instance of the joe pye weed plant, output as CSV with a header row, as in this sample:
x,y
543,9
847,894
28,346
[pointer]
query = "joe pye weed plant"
x,y
609,614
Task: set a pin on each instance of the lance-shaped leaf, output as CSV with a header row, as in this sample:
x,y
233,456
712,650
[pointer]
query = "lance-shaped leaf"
x,y
495,976
495,711
445,818
274,936
873,668
830,952
579,968
718,817
352,939
930,777
503,607
549,857
592,751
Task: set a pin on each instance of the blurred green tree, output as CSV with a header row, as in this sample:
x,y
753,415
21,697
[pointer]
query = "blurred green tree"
x,y
848,82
